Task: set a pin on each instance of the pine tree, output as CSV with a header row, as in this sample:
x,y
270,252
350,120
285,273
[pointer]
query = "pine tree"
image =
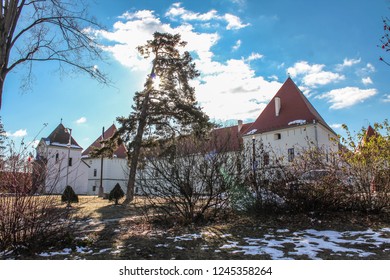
x,y
69,196
163,110
116,193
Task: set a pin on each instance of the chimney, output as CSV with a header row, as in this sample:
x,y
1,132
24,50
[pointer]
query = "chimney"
x,y
239,126
278,105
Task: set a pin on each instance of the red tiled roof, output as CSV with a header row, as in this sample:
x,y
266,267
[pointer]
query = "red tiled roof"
x,y
120,152
227,138
294,107
60,136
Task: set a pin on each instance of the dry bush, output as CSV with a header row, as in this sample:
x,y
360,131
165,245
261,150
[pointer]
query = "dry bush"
x,y
28,221
189,182
357,178
366,160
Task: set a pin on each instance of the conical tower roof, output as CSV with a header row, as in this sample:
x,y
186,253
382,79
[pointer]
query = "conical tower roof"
x,y
60,137
295,109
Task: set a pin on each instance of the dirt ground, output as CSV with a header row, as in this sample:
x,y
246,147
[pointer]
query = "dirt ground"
x,y
106,231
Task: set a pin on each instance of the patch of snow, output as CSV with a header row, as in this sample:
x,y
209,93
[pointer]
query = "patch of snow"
x,y
101,251
65,251
65,145
310,243
83,250
187,237
298,122
162,245
252,132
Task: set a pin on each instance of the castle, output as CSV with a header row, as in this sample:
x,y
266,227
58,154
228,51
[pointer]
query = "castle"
x,y
287,125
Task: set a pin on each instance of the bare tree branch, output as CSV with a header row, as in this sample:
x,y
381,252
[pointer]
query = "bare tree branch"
x,y
49,30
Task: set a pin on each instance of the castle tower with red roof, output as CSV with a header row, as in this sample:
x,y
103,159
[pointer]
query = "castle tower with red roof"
x,y
290,123
61,155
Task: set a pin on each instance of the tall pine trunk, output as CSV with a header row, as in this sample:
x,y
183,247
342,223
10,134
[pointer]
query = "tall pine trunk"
x,y
137,144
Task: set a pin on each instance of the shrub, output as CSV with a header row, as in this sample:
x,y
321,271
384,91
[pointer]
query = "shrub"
x,y
186,187
69,196
28,223
116,193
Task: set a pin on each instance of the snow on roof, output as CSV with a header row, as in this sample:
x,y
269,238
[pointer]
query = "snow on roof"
x,y
298,122
65,145
251,132
294,106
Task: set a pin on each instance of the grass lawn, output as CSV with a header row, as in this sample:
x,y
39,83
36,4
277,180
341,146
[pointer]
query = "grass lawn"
x,y
106,231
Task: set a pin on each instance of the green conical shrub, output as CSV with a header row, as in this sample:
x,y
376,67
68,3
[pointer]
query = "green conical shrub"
x,y
69,196
116,193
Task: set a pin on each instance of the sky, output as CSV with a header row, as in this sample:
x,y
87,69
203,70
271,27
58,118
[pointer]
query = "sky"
x,y
244,51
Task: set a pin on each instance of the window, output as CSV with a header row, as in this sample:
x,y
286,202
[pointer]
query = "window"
x,y
94,188
290,154
70,161
57,157
94,172
277,136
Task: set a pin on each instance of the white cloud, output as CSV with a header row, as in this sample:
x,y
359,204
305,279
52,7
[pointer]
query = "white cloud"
x,y
348,63
138,27
226,89
237,45
81,120
177,11
236,92
19,133
321,78
336,125
313,74
386,98
234,22
254,56
347,97
369,68
367,81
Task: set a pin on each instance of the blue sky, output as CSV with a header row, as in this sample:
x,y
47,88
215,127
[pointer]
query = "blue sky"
x,y
244,50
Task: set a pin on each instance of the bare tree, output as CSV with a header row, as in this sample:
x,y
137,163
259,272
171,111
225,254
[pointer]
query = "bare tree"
x,y
52,30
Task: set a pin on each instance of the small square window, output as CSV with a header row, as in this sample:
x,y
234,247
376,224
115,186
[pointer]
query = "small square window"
x,y
277,136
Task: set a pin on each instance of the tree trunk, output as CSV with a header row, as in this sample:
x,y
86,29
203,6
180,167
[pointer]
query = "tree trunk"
x,y
138,139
